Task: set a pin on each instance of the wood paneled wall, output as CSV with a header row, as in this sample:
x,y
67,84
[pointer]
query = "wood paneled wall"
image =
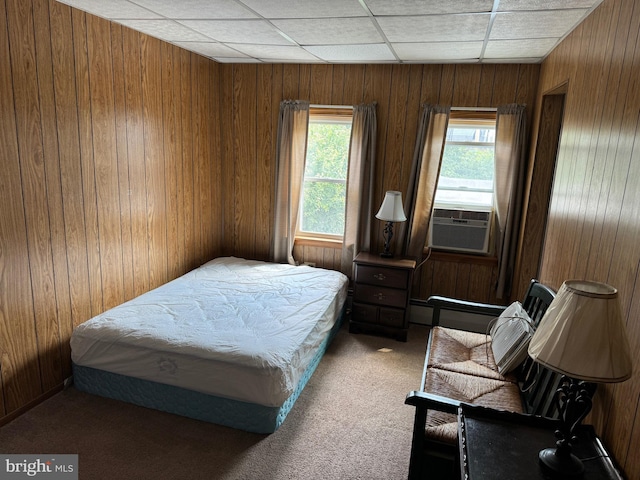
x,y
127,161
110,179
253,94
594,220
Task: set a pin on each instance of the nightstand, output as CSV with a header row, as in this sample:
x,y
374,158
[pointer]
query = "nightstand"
x,y
381,293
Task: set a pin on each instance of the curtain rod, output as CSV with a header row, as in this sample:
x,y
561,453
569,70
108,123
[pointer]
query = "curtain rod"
x,y
346,107
470,109
475,109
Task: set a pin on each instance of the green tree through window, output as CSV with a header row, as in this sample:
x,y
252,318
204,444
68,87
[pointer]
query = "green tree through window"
x,y
325,177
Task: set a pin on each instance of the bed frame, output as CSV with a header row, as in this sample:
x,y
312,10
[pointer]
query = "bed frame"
x,y
237,414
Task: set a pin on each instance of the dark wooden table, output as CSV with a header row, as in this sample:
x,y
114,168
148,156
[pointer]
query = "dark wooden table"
x,y
501,445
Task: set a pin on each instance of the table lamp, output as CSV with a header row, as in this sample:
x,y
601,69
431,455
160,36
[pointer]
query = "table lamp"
x,y
582,337
390,211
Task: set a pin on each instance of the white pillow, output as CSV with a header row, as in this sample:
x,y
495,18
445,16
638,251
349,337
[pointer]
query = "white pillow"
x,y
510,334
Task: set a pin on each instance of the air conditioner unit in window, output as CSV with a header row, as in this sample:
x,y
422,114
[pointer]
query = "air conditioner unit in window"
x,y
460,230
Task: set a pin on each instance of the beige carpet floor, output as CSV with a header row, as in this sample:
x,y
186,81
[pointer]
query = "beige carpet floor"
x,y
350,422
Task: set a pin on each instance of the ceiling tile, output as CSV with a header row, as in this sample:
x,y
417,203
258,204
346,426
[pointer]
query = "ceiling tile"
x,y
196,9
238,31
441,52
519,48
209,49
326,31
276,52
427,7
165,30
372,53
237,60
542,24
435,28
306,8
113,9
511,5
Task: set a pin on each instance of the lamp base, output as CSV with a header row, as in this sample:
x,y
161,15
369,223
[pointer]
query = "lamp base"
x,y
558,464
388,235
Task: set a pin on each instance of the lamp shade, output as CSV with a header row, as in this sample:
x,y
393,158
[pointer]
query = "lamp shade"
x,y
391,209
582,335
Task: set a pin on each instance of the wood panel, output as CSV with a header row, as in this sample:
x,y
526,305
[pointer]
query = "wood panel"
x,y
87,165
97,171
188,185
267,114
135,149
103,135
34,187
227,157
171,146
122,159
244,157
154,158
538,194
594,220
66,117
57,350
19,366
485,89
353,85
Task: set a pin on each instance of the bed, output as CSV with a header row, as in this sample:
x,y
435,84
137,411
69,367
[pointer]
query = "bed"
x,y
232,342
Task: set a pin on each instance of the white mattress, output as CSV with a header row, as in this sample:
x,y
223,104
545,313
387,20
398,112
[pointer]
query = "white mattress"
x,y
234,328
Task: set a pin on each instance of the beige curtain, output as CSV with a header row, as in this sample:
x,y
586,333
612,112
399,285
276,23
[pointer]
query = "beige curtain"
x,y
509,184
423,180
359,202
290,161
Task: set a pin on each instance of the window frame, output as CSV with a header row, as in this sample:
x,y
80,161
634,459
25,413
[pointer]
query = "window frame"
x,y
328,114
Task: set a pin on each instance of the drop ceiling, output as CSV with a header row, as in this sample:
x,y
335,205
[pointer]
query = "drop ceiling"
x,y
352,31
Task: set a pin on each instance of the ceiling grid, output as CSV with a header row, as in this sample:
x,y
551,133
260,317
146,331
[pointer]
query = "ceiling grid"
x,y
352,31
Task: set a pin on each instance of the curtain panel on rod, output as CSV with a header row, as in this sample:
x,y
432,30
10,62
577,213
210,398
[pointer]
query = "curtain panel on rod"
x,y
291,150
508,190
423,179
360,180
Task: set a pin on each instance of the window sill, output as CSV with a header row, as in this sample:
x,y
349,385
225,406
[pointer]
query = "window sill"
x,y
459,257
317,242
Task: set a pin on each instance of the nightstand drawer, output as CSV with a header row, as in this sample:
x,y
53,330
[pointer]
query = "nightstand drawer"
x,y
391,317
364,313
388,297
387,277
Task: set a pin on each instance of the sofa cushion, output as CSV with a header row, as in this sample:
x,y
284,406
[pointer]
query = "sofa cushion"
x,y
441,427
464,352
486,392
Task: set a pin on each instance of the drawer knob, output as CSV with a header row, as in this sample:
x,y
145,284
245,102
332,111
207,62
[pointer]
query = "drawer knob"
x,y
379,296
379,276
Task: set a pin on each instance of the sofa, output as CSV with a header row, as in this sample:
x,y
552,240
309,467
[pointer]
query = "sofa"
x,y
460,368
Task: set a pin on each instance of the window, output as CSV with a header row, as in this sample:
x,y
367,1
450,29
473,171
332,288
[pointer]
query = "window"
x,y
325,177
461,220
466,173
